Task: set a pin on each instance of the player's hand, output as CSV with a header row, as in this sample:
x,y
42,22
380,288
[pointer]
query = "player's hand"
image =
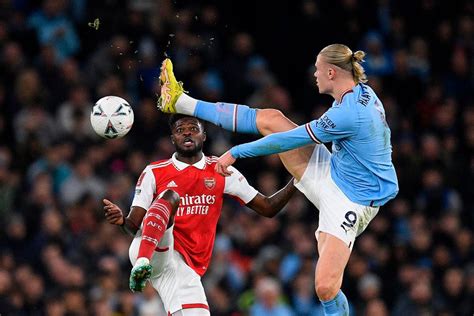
x,y
223,163
113,213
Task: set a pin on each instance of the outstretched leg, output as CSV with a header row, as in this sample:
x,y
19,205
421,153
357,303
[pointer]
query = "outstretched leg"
x,y
233,117
271,121
159,216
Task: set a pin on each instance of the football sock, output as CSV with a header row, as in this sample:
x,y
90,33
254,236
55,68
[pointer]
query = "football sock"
x,y
186,104
338,306
154,226
232,117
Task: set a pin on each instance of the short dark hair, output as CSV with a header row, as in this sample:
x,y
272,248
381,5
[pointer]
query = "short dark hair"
x,y
176,117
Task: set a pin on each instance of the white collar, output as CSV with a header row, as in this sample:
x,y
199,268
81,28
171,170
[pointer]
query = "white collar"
x,y
182,165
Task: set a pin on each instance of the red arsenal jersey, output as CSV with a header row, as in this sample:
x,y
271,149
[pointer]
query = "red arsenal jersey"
x,y
201,190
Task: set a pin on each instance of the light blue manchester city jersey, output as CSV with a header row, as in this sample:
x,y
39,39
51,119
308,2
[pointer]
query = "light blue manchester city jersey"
x,y
361,161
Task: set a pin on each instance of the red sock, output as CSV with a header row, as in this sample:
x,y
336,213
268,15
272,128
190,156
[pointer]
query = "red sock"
x,y
154,226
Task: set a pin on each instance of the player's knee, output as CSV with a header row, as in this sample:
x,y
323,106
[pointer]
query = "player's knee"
x,y
267,120
171,197
326,289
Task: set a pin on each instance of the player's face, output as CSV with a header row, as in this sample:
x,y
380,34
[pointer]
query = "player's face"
x,y
188,136
322,75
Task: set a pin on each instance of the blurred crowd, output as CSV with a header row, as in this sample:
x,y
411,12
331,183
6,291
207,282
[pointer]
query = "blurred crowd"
x,y
58,256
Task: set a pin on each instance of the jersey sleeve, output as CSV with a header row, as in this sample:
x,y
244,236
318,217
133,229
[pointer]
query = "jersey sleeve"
x,y
274,143
144,189
336,123
236,185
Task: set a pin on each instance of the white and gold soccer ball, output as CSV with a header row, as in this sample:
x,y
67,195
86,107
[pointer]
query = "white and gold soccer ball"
x,y
112,117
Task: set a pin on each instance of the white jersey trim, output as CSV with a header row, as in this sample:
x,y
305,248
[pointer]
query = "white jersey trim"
x,y
161,164
201,164
146,188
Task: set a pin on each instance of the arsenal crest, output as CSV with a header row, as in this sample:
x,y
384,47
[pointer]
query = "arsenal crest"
x,y
210,183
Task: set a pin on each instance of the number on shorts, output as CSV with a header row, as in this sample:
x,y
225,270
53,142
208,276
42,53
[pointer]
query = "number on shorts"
x,y
351,219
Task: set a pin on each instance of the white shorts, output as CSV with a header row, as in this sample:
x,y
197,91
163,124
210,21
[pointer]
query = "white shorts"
x,y
178,285
338,215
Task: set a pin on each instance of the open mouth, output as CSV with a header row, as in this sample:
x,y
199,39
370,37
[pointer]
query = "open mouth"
x,y
188,142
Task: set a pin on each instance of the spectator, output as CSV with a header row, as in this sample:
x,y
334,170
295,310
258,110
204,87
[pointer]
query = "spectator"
x,y
54,28
83,181
268,294
419,301
73,115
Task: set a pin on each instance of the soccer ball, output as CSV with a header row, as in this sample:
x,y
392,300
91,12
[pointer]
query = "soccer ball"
x,y
112,117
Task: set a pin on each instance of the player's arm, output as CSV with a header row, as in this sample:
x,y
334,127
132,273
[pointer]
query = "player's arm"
x,y
269,206
144,193
129,224
275,143
237,186
270,144
338,122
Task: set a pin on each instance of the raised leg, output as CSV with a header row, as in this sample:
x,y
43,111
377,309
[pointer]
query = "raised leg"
x,y
231,116
273,121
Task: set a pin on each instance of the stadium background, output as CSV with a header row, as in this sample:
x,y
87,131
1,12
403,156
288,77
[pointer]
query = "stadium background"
x,y
58,256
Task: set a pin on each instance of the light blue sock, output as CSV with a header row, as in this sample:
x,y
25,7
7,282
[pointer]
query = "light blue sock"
x,y
232,117
338,306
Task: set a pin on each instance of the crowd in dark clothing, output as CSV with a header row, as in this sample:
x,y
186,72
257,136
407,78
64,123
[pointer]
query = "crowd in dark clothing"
x,y
58,256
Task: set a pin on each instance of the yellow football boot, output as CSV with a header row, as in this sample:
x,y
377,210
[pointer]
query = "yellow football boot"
x,y
171,89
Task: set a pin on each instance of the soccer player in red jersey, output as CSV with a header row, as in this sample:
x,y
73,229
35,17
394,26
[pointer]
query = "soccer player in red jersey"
x,y
174,216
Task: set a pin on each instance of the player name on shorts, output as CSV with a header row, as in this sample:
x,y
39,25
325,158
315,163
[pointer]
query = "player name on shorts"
x,y
195,204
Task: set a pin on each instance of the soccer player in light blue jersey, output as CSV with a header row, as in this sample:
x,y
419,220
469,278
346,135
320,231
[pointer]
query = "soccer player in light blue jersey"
x,y
347,185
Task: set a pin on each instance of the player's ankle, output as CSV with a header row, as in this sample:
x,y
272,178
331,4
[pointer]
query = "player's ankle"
x,y
142,261
186,104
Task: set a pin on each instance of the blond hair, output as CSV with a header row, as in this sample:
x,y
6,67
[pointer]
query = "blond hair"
x,y
342,56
